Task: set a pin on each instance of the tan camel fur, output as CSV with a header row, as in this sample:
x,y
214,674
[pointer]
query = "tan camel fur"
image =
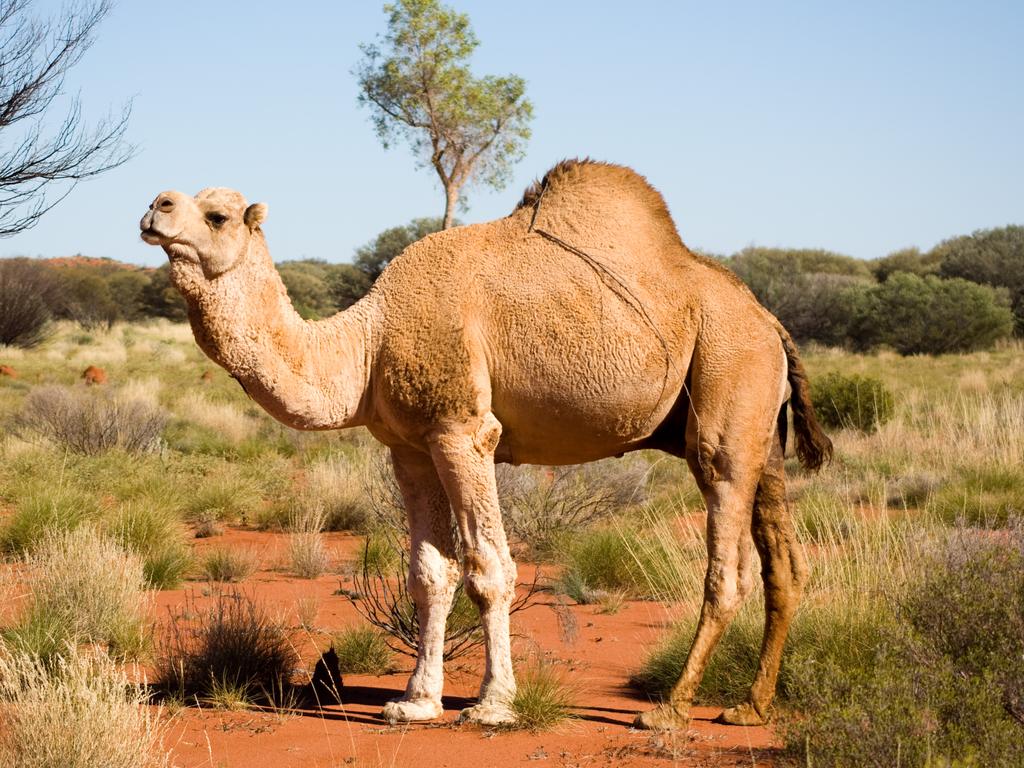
x,y
576,328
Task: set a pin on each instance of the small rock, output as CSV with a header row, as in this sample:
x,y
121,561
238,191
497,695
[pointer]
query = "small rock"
x,y
94,375
6,370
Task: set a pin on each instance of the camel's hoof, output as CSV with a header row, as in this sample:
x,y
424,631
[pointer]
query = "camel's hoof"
x,y
663,717
399,711
741,714
488,714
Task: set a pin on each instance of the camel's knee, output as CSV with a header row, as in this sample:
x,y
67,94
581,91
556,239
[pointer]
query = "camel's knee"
x,y
431,574
723,592
488,578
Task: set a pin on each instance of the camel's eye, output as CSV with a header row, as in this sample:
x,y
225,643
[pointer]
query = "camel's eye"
x,y
216,219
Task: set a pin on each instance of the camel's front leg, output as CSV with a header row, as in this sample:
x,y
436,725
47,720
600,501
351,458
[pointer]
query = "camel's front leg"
x,y
464,457
433,574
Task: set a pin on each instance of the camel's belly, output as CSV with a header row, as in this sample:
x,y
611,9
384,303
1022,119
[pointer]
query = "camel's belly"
x,y
556,430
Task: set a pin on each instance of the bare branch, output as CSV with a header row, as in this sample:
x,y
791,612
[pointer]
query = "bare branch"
x,y
44,163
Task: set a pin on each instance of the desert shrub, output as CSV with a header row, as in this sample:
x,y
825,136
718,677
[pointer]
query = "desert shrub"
x,y
88,587
987,496
159,297
29,291
946,684
79,711
851,401
41,509
929,315
541,505
87,421
543,697
233,646
362,651
227,564
155,533
309,556
308,287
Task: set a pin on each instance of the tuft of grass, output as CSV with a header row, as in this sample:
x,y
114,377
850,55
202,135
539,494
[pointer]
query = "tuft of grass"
x,y
155,533
543,698
234,645
987,496
309,556
78,711
335,484
232,564
85,588
363,651
43,509
224,497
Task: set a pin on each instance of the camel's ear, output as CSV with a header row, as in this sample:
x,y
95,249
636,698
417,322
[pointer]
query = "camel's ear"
x,y
255,215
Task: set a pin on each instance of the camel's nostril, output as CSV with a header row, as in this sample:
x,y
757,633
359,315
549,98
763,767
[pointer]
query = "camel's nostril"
x,y
166,204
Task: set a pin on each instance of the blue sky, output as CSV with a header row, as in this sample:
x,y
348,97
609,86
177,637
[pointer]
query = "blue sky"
x,y
859,127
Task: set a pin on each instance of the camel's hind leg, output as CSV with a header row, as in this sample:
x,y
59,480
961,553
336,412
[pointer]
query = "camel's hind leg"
x,y
728,441
784,570
433,575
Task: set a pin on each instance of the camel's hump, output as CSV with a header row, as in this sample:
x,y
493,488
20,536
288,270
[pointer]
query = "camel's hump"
x,y
576,177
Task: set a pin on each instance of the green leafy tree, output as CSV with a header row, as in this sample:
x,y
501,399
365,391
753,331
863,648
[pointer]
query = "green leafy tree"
x,y
929,315
989,256
419,89
88,299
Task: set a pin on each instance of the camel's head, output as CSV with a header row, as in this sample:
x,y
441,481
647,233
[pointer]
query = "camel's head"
x,y
211,230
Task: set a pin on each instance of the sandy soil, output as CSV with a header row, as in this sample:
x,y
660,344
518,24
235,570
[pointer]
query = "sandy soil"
x,y
598,657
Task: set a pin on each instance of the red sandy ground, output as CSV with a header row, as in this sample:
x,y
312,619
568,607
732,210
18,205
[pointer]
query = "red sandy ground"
x,y
599,660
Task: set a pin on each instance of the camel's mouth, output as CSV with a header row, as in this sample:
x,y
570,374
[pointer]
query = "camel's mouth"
x,y
151,236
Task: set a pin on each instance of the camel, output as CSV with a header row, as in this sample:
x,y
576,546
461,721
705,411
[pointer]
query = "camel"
x,y
577,328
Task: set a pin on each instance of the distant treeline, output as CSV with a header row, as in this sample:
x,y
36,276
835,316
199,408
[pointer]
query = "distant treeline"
x,y
964,294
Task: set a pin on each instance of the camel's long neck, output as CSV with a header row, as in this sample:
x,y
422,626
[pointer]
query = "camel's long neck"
x,y
308,375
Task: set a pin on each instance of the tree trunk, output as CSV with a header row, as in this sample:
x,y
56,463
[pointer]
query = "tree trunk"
x,y
451,199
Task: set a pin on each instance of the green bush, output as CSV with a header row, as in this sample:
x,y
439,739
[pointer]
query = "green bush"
x,y
613,560
983,496
851,402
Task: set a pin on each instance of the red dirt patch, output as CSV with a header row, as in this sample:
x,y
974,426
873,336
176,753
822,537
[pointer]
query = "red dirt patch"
x,y
6,370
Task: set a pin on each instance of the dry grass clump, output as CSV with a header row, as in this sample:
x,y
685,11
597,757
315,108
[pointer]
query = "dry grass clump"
x,y
83,588
232,652
90,421
229,564
309,556
223,496
77,711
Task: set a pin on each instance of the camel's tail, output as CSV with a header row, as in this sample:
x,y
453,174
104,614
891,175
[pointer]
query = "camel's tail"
x,y
813,447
